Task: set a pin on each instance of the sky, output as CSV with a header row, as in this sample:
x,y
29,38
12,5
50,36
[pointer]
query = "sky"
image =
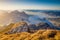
x,y
30,4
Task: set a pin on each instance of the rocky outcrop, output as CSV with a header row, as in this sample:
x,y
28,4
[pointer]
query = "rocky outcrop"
x,y
19,27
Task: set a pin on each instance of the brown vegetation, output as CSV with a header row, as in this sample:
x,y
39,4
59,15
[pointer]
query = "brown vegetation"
x,y
39,35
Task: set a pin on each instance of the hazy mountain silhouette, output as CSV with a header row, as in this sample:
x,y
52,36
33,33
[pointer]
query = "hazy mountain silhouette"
x,y
49,12
12,17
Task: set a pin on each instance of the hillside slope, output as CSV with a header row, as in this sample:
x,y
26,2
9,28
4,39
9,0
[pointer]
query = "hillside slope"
x,y
26,27
39,35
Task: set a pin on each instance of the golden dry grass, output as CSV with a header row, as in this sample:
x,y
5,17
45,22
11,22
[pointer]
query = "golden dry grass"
x,y
39,35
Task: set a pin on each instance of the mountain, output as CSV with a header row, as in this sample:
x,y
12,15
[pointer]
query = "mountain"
x,y
7,17
18,16
22,26
18,28
26,27
12,17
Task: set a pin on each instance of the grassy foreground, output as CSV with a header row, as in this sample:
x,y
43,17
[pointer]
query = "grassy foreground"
x,y
39,35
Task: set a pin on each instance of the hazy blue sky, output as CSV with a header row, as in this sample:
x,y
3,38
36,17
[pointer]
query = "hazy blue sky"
x,y
30,4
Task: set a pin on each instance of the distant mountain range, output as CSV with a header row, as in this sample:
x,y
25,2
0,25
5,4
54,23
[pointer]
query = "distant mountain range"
x,y
7,17
17,16
12,17
49,12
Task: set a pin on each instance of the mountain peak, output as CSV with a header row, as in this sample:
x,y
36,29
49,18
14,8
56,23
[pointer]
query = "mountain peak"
x,y
15,11
19,24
